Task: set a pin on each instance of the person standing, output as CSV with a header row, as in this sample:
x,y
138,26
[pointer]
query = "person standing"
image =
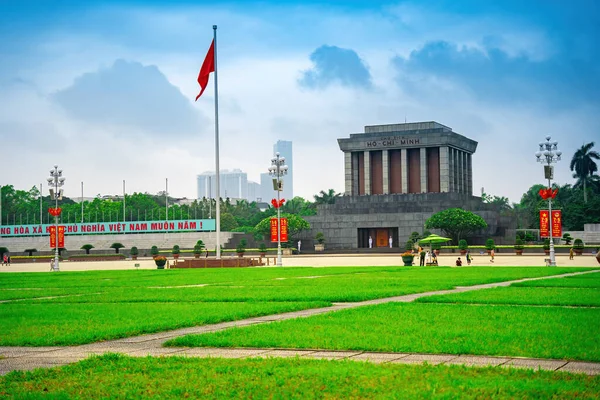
x,y
52,264
390,241
299,245
422,258
469,257
492,254
5,259
571,253
370,242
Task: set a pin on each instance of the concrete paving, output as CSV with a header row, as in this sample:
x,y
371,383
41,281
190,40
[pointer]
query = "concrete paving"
x,y
27,358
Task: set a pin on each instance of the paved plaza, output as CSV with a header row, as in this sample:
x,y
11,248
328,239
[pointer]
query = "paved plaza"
x,y
27,358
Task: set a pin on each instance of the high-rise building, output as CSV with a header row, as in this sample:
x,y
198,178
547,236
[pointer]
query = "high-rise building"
x,y
233,184
253,191
284,148
266,188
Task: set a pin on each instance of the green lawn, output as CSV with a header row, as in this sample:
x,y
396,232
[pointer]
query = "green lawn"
x,y
544,332
555,296
114,376
579,281
27,324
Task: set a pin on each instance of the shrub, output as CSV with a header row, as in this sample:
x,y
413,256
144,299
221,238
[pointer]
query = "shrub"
x,y
134,251
30,251
546,245
490,245
529,237
116,246
241,247
320,238
87,248
409,245
154,251
262,248
200,243
160,261
176,249
519,245
462,244
198,249
578,244
3,250
567,238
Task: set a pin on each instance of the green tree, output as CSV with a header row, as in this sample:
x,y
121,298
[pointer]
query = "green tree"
x,y
296,224
584,166
228,222
87,248
116,246
456,223
328,197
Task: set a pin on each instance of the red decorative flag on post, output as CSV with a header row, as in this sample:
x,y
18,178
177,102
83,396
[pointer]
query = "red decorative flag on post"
x,y
544,223
52,236
556,223
284,229
208,66
61,237
273,230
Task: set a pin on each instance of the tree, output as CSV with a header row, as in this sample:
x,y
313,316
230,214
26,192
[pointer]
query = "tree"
x,y
584,166
87,248
456,223
30,251
228,222
296,224
328,197
116,246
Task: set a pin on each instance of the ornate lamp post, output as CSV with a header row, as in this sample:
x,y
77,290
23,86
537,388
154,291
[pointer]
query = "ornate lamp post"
x,y
55,182
278,170
549,154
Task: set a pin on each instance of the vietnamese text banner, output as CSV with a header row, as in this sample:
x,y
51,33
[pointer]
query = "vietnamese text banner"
x,y
95,228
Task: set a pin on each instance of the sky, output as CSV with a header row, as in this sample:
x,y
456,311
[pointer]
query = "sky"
x,y
105,89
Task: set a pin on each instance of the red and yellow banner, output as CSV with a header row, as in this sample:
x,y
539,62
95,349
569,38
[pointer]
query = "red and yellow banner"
x,y
544,223
556,224
284,230
61,236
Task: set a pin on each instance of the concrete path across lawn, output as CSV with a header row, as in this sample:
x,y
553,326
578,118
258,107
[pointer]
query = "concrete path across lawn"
x,y
26,358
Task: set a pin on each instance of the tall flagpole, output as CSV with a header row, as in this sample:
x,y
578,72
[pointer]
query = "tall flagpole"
x,y
217,186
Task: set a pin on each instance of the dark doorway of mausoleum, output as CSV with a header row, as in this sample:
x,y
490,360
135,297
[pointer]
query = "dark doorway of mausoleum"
x,y
380,237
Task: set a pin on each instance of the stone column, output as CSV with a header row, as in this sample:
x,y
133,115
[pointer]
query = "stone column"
x,y
423,163
348,173
459,166
367,172
469,175
385,173
355,174
404,163
444,170
451,187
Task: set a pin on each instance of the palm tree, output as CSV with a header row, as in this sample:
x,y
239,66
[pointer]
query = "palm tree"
x,y
584,166
328,197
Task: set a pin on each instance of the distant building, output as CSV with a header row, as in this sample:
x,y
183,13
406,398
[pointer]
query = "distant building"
x,y
266,188
233,184
253,191
284,148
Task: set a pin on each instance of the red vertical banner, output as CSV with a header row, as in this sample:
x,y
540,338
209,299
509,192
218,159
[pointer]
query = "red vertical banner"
x,y
544,223
61,236
284,230
556,224
52,236
273,230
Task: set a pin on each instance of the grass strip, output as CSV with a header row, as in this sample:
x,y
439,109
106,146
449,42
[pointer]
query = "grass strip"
x,y
117,376
554,296
579,281
60,324
548,332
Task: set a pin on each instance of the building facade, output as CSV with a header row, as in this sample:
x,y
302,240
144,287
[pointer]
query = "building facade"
x,y
233,184
396,177
422,157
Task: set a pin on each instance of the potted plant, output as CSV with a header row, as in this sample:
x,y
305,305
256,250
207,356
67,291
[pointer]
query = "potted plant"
x,y
546,246
463,246
87,248
320,238
241,247
198,249
262,249
154,251
134,253
490,245
160,262
30,252
176,251
407,258
519,246
578,246
567,238
116,246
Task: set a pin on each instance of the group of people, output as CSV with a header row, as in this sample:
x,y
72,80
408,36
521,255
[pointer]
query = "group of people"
x,y
467,256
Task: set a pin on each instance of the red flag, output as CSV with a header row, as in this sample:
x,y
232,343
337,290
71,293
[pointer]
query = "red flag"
x,y
208,66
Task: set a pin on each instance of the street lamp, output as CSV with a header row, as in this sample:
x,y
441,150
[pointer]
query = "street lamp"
x,y
55,182
549,154
277,170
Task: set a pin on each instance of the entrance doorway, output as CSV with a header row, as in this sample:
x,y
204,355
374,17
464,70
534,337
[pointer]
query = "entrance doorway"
x,y
380,237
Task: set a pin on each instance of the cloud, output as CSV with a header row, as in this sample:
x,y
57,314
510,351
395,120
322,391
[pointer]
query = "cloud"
x,y
492,75
336,65
130,95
